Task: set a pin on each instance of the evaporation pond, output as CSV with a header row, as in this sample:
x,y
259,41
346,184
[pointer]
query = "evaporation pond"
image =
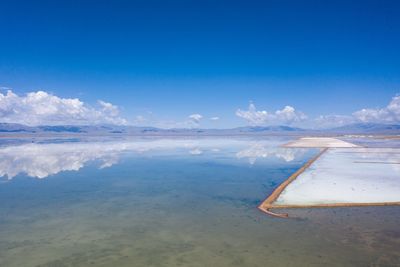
x,y
347,175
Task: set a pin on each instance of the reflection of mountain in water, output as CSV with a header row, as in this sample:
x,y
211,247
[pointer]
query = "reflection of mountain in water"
x,y
260,151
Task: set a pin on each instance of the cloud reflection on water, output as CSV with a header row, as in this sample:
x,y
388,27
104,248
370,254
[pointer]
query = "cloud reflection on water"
x,y
258,150
41,160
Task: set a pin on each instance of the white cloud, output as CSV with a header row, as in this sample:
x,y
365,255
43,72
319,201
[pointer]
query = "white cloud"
x,y
252,116
195,117
287,115
329,121
40,108
388,114
109,108
194,120
214,118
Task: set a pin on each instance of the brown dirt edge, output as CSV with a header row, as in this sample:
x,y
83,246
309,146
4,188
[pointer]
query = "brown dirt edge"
x,y
336,205
266,208
266,205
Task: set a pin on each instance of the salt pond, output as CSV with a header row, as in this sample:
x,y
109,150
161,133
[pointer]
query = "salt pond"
x,y
308,142
347,175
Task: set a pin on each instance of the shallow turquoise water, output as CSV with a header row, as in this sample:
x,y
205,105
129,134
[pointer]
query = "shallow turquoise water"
x,y
176,202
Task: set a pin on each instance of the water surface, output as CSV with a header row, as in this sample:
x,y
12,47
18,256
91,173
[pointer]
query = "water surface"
x,y
173,202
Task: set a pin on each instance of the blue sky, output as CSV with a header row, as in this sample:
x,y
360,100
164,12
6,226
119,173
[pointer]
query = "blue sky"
x,y
158,62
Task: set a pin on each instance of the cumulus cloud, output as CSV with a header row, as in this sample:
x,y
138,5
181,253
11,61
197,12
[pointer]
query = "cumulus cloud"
x,y
109,108
287,115
329,121
40,108
194,119
388,114
253,116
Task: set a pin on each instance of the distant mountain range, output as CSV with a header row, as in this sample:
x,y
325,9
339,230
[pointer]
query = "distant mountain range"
x,y
359,128
368,128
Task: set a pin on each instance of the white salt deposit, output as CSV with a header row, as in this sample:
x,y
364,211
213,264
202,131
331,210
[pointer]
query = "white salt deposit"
x,y
319,142
340,175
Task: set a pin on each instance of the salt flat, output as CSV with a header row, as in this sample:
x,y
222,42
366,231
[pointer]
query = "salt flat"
x,y
319,142
340,175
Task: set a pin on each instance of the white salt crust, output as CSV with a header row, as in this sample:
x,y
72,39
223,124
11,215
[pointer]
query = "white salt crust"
x,y
319,142
340,175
